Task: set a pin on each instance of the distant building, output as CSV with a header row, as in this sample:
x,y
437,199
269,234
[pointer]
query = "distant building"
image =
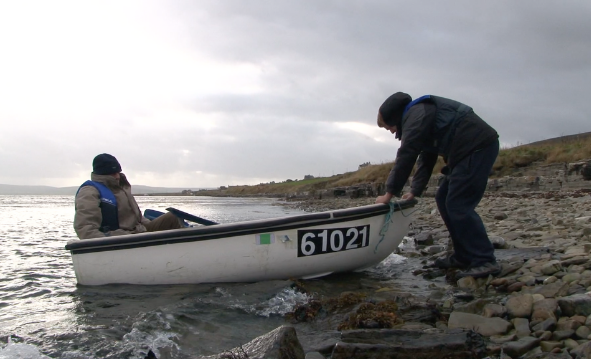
x,y
364,165
308,177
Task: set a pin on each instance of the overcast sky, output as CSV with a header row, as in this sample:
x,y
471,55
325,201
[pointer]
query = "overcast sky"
x,y
209,93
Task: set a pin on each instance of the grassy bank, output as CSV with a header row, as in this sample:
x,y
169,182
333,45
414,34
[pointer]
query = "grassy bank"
x,y
557,150
510,161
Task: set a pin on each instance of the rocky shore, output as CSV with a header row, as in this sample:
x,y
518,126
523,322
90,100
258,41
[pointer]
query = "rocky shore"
x,y
538,307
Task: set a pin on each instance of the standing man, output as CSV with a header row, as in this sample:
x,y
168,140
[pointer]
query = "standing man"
x,y
432,126
105,206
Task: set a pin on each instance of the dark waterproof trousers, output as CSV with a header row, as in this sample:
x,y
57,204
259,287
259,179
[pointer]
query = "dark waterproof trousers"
x,y
164,222
457,198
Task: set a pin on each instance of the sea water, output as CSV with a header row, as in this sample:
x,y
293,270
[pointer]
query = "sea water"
x,y
44,314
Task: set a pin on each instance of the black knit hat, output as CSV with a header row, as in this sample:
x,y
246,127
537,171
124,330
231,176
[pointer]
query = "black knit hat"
x,y
105,164
392,109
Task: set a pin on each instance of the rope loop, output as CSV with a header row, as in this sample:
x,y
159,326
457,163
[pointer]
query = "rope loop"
x,y
388,220
386,224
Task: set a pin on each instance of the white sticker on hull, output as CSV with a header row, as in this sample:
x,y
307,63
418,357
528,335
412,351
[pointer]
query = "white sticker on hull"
x,y
264,238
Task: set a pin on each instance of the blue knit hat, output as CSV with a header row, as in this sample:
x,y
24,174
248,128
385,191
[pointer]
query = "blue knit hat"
x,y
105,164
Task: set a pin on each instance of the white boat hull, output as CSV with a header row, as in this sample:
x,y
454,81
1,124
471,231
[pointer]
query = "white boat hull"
x,y
287,248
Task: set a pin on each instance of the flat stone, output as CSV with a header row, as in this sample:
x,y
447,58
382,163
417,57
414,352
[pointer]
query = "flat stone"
x,y
474,307
582,332
497,282
582,351
521,346
434,249
498,242
484,326
467,283
566,323
570,344
521,327
576,268
512,235
542,314
552,290
547,325
545,336
402,344
551,267
314,355
578,304
501,339
571,277
424,239
562,334
575,289
548,346
544,309
520,306
515,287
508,268
579,318
528,280
493,310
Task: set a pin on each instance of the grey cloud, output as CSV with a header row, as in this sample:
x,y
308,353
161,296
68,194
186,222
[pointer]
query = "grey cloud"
x,y
524,66
341,59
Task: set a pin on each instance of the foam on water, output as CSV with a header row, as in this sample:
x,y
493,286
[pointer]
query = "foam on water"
x,y
388,267
142,342
282,303
19,350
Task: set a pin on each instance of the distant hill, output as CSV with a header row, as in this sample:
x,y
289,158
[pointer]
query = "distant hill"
x,y
561,139
7,189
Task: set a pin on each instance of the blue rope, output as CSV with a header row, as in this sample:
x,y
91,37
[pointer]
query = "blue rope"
x,y
388,220
385,226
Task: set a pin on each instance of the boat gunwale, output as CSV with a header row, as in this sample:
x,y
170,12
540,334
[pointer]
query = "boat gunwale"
x,y
148,239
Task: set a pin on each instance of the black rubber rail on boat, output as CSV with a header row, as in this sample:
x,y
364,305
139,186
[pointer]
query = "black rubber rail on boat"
x,y
189,217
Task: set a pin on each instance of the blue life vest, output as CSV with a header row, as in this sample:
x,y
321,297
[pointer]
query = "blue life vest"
x,y
446,116
108,206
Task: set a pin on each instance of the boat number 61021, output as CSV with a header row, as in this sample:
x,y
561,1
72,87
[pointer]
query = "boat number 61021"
x,y
321,241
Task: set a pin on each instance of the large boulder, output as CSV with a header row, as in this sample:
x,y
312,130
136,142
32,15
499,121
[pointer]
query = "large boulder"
x,y
280,343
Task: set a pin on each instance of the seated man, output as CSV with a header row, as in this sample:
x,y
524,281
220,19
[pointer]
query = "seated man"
x,y
105,206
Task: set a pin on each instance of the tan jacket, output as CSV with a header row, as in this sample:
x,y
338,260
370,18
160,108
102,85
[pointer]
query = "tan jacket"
x,y
88,217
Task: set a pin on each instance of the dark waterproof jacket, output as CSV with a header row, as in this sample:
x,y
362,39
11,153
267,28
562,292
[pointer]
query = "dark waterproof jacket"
x,y
424,138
